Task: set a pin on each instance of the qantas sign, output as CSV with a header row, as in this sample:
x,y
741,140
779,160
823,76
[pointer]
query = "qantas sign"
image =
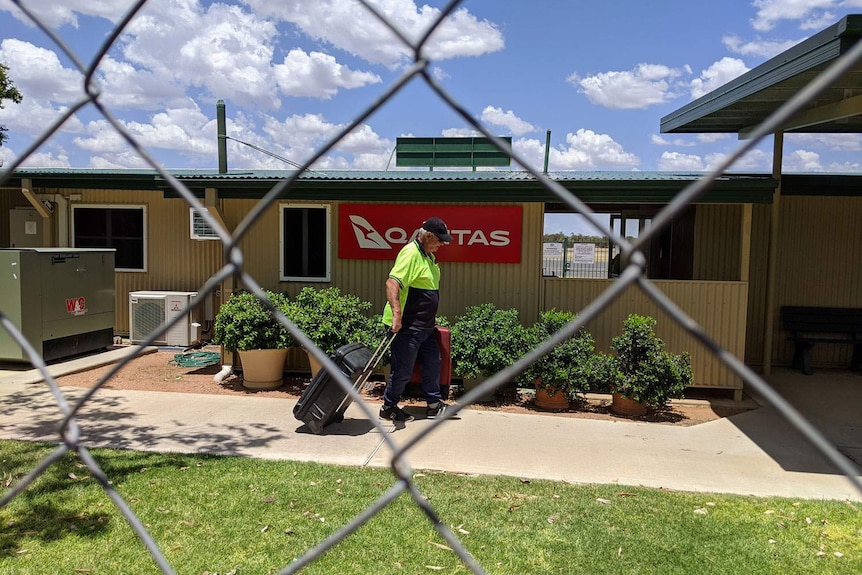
x,y
479,234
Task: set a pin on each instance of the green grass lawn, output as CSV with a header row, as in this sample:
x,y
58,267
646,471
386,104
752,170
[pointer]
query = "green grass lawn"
x,y
230,515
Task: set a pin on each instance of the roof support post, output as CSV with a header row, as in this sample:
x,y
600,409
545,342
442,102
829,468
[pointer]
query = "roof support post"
x,y
772,263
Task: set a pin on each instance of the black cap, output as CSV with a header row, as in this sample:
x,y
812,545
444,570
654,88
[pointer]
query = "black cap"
x,y
437,227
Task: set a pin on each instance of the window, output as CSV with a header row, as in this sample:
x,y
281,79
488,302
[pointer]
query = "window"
x,y
120,227
199,228
305,243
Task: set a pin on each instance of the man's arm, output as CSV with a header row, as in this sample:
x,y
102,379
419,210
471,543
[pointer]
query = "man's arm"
x,y
393,296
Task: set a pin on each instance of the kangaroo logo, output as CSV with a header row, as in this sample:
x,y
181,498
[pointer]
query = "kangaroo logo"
x,y
366,235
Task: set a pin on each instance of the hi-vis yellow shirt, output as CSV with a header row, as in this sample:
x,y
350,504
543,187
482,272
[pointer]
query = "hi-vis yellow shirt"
x,y
419,277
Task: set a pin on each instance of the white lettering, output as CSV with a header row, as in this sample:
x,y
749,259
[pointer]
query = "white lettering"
x,y
494,238
500,238
478,237
458,236
396,235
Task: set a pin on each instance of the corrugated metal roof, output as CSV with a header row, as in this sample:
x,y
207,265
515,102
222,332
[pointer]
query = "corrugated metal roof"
x,y
367,175
413,185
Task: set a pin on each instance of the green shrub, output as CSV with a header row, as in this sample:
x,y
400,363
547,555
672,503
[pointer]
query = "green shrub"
x,y
244,323
330,318
486,339
643,371
567,366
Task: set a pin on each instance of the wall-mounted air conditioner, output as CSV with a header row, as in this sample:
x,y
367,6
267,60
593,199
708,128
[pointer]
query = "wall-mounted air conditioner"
x,y
148,310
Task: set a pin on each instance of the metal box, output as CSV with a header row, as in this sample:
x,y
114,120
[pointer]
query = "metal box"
x,y
148,310
62,300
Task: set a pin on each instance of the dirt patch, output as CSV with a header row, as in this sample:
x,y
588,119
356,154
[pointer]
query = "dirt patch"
x,y
159,372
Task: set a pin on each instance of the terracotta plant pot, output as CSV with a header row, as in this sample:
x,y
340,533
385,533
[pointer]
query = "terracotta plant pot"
x,y
262,368
550,398
622,405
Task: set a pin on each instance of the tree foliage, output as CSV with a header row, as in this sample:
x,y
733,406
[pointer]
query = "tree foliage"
x,y
560,237
8,91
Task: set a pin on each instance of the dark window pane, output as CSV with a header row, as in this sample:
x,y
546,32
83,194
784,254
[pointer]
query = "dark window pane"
x,y
91,222
305,252
118,228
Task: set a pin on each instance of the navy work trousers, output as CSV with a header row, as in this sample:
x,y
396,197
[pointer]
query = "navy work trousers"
x,y
411,347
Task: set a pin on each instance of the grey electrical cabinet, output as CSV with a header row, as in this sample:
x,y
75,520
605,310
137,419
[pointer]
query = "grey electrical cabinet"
x,y
62,300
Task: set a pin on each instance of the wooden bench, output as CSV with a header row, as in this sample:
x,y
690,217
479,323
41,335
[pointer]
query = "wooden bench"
x,y
806,326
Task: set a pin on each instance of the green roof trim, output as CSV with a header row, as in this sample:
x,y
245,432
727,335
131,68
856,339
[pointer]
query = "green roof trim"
x,y
421,186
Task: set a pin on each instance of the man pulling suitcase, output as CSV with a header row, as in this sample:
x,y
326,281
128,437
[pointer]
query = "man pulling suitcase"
x,y
412,298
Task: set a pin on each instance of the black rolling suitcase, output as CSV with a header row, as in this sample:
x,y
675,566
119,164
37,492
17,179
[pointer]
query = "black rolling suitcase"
x,y
324,401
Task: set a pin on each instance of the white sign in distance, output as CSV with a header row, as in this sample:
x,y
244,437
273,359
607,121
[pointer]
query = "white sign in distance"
x,y
584,254
552,249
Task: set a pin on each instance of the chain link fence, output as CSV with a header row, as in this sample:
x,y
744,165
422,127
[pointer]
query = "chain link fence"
x,y
631,273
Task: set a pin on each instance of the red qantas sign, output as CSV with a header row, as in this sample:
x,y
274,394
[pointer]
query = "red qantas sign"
x,y
479,234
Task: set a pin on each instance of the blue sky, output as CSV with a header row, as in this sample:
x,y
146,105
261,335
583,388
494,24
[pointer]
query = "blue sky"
x,y
599,75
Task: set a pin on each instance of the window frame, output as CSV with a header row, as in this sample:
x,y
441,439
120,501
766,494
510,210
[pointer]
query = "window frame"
x,y
144,239
194,215
282,247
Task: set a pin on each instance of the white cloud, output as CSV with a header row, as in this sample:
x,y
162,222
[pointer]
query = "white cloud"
x,y
124,86
845,167
298,138
644,86
118,161
36,159
439,73
461,133
182,130
507,119
46,160
317,75
658,140
802,161
718,74
760,48
712,138
221,48
812,13
677,162
584,150
56,14
347,25
32,117
833,142
38,73
754,160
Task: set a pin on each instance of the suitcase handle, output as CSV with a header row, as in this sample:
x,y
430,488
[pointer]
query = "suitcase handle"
x,y
380,351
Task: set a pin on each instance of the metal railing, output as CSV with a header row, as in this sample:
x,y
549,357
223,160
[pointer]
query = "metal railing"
x,y
632,273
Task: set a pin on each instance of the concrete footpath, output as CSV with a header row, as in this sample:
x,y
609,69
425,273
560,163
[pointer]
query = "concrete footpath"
x,y
753,453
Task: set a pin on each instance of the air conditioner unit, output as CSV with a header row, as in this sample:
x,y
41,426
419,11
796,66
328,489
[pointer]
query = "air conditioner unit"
x,y
149,310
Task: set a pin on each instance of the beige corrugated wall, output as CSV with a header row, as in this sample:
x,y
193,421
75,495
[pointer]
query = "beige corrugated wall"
x,y
717,242
719,307
761,216
820,264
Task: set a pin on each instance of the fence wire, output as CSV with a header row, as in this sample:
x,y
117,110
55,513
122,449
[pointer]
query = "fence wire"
x,y
632,274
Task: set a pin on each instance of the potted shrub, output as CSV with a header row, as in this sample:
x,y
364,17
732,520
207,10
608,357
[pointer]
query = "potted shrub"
x,y
484,341
643,373
563,372
245,325
330,319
